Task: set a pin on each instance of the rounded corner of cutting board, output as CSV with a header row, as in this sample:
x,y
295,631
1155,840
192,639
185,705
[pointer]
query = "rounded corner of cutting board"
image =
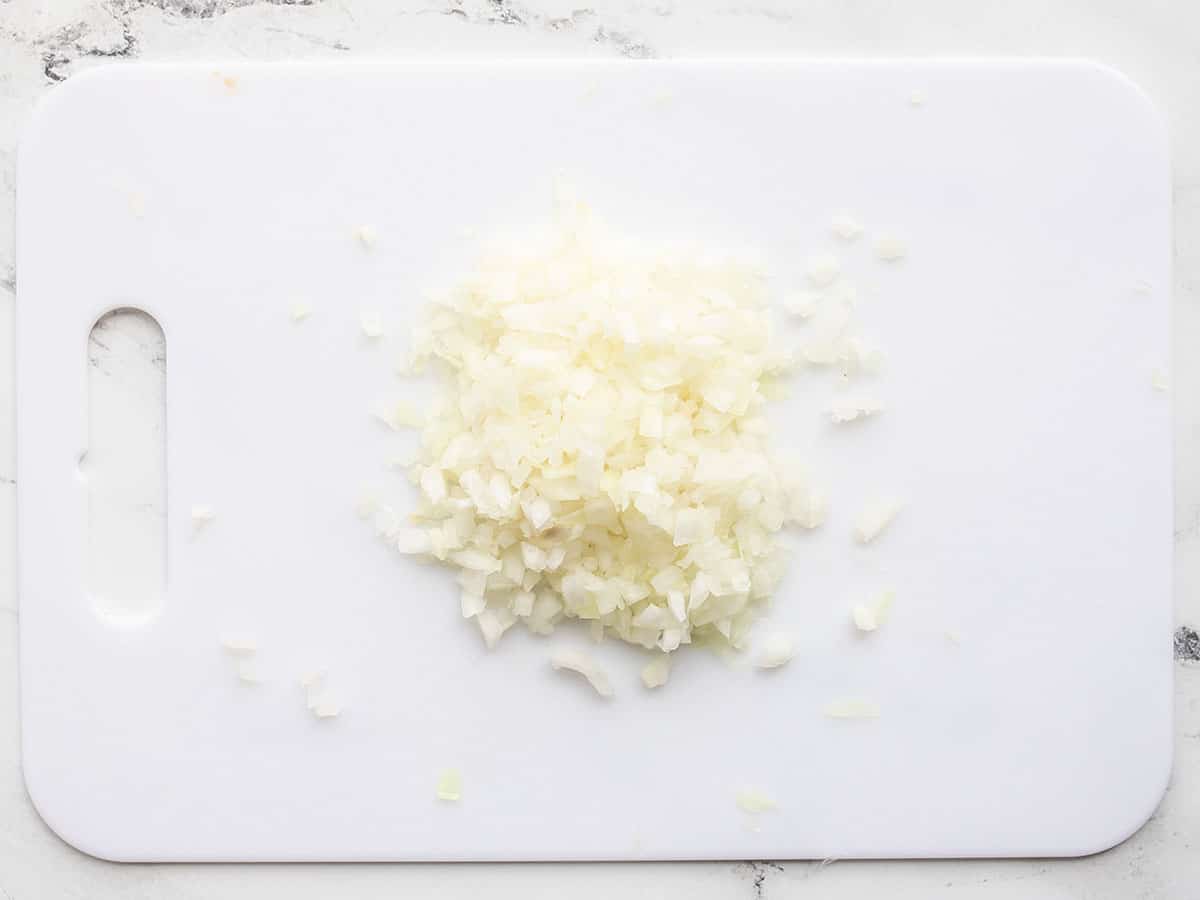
x,y
48,805
58,105
1111,833
1146,111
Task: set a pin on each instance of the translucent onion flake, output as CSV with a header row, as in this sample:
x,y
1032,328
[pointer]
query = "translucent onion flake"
x,y
874,518
449,785
869,616
852,708
846,227
371,324
581,663
849,412
754,801
656,672
202,516
1159,380
239,643
891,249
366,236
778,649
599,450
247,672
822,270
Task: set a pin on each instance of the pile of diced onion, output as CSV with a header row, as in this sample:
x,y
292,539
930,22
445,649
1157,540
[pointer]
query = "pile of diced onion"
x,y
600,451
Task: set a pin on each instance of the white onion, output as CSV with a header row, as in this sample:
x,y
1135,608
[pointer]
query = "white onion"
x,y
656,672
874,518
778,650
890,249
852,708
449,785
600,451
581,663
754,801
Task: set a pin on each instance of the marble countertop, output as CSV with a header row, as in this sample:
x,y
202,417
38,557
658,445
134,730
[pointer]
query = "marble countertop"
x,y
43,42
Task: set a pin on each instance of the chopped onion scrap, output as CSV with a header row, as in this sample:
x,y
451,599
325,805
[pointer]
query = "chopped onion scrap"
x,y
202,516
846,227
600,451
778,650
449,785
891,249
1159,380
874,518
238,644
849,412
869,616
248,672
366,236
574,661
300,312
754,801
371,324
822,270
656,672
320,702
852,708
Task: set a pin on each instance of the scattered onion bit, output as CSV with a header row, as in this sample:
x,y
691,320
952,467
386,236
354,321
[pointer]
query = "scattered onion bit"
x,y
849,412
323,706
846,227
371,324
365,235
802,304
852,708
778,650
656,672
575,661
202,516
916,99
1159,380
822,270
868,617
874,518
247,673
400,415
449,785
238,644
865,618
754,801
300,312
891,249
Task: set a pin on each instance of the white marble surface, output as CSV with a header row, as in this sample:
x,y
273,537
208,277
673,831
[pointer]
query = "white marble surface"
x,y
1153,41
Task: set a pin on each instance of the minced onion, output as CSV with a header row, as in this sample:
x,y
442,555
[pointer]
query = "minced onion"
x,y
600,449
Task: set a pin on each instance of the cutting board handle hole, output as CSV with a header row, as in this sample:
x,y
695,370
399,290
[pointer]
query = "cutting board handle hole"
x,y
123,467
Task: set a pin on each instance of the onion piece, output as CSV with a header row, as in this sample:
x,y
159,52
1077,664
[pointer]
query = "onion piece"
x,y
778,650
852,708
874,518
846,227
890,249
754,801
581,663
656,672
371,324
449,785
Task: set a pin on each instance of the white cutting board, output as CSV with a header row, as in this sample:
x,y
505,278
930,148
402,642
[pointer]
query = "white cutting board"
x,y
1022,432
